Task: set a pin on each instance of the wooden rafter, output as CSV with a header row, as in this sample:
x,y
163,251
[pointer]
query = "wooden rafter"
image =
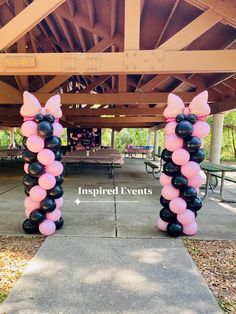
x,y
113,16
99,29
25,21
192,31
226,9
96,82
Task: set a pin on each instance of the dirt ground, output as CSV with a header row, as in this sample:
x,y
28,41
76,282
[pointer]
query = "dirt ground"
x,y
15,254
216,261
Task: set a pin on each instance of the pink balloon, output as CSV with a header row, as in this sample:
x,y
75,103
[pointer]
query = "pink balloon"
x,y
59,202
37,193
186,218
30,204
170,128
164,179
161,224
201,129
35,143
26,166
180,156
178,205
196,182
28,212
46,157
56,168
29,128
173,142
47,227
169,192
55,215
57,129
191,169
191,229
47,181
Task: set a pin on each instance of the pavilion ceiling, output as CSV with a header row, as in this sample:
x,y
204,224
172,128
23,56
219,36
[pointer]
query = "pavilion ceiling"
x,y
134,52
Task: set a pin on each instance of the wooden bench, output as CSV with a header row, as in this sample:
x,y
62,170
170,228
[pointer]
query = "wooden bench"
x,y
155,169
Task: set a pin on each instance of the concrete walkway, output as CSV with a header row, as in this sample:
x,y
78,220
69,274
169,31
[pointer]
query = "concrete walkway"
x,y
109,257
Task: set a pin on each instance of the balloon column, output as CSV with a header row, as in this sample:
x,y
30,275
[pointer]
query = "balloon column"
x,y
181,179
43,170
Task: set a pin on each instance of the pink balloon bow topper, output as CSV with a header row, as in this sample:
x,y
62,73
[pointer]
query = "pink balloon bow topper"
x,y
31,107
198,106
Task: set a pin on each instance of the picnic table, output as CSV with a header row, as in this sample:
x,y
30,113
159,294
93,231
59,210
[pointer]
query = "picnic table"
x,y
109,158
218,171
10,152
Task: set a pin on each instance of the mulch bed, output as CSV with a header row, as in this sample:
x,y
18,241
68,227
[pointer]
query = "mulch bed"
x,y
216,261
15,254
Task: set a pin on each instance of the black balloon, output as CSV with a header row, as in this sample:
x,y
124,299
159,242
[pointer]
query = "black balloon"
x,y
36,216
195,204
29,181
48,205
171,169
184,129
58,155
28,227
192,144
36,169
167,215
180,117
192,118
179,182
55,192
198,156
164,202
28,156
24,141
59,223
188,194
45,129
175,229
39,118
59,180
27,190
166,155
49,118
53,143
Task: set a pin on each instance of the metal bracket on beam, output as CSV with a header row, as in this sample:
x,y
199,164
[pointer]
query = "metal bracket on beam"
x,y
74,61
136,61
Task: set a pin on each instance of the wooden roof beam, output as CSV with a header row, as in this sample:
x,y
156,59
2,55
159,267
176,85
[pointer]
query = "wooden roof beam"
x,y
192,31
132,25
106,98
96,82
113,16
99,29
226,9
91,11
129,62
25,21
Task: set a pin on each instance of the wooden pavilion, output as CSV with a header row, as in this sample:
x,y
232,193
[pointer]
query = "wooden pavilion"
x,y
115,61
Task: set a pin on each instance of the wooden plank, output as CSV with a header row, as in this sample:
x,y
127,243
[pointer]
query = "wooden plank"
x,y
107,98
26,20
132,25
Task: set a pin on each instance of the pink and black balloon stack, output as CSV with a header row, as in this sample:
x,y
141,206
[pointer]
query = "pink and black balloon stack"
x,y
182,155
43,170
